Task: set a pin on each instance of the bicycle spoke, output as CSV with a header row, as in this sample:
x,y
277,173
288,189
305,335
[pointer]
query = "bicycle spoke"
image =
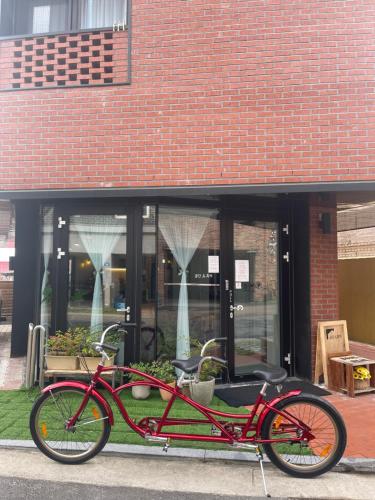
x,y
81,438
318,449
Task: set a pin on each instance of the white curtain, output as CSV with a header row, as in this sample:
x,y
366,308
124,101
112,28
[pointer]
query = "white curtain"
x,y
183,229
102,13
47,248
99,235
49,16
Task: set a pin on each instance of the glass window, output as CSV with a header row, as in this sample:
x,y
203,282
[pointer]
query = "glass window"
x,y
6,17
188,279
101,13
41,16
98,288
25,17
46,267
148,303
7,236
257,324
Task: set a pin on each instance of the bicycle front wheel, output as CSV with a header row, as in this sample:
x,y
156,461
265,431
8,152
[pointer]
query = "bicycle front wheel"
x,y
305,458
48,419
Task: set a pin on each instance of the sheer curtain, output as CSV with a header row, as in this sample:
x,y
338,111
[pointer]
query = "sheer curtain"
x,y
49,16
47,248
182,230
99,235
101,13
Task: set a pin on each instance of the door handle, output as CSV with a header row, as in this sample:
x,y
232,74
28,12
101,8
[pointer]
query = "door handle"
x,y
236,308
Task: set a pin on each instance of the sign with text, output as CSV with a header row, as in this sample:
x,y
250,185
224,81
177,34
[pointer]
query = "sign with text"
x,y
242,274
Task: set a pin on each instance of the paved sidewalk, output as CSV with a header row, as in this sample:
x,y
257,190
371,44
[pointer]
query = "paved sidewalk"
x,y
359,416
12,370
184,475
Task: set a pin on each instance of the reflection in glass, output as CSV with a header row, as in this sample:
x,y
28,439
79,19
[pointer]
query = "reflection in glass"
x,y
148,303
256,326
101,13
189,294
46,264
97,270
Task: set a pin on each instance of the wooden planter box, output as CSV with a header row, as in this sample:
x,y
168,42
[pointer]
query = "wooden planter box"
x,y
61,362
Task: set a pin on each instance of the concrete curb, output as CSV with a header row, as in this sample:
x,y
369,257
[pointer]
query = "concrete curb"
x,y
360,465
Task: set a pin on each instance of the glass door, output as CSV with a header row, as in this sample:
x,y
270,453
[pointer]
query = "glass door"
x,y
98,291
251,309
95,270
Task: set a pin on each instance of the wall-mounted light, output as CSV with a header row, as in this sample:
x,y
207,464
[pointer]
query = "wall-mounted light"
x,y
325,222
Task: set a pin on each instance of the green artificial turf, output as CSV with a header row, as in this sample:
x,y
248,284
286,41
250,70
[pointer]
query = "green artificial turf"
x,y
15,407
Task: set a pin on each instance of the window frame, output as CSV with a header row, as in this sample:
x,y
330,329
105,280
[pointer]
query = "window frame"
x,y
72,24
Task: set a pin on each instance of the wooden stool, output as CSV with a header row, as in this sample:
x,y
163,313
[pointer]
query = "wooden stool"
x,y
341,373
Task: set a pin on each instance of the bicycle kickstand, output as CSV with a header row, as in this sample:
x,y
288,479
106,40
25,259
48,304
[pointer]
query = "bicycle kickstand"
x,y
259,456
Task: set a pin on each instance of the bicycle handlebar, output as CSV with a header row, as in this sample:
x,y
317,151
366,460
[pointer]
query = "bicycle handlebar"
x,y
206,358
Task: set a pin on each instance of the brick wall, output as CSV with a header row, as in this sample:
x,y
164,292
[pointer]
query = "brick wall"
x,y
6,295
324,293
241,91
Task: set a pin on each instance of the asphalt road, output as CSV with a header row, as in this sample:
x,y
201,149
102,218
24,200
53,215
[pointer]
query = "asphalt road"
x,y
20,489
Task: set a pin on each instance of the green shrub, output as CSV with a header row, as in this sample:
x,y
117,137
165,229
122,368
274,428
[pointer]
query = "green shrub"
x,y
209,368
65,343
164,370
142,367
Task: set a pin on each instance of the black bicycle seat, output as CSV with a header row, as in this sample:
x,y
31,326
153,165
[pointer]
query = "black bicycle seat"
x,y
187,365
273,376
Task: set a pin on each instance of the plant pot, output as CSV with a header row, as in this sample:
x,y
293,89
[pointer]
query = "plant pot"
x,y
361,384
141,391
165,395
202,392
92,362
61,362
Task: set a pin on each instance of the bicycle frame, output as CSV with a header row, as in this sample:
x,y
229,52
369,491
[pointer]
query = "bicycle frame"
x,y
245,430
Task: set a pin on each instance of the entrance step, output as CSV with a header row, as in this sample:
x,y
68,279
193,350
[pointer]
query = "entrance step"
x,y
12,370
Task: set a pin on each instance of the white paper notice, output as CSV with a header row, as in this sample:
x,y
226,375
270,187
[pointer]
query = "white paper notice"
x,y
238,285
242,271
213,263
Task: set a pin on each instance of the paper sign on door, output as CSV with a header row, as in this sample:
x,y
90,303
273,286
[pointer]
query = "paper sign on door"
x,y
242,271
213,263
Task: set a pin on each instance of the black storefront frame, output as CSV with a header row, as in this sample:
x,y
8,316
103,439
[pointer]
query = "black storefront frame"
x,y
279,213
60,274
251,205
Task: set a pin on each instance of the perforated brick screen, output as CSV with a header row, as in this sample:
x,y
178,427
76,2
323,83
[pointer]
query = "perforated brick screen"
x,y
64,60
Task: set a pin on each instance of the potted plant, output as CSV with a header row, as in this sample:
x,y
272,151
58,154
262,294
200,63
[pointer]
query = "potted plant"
x,y
89,357
164,370
202,390
62,350
140,391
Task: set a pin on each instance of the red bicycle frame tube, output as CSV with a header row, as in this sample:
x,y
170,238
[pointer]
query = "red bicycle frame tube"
x,y
244,422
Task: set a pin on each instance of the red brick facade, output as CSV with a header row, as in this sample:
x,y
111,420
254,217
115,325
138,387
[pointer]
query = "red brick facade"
x,y
235,92
324,292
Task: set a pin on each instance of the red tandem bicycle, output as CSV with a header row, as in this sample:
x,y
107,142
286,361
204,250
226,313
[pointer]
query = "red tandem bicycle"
x,y
301,434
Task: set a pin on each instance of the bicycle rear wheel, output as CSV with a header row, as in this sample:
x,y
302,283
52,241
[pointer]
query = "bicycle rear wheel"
x,y
305,458
84,440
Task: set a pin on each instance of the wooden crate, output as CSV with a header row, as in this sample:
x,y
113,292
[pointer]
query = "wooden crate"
x,y
341,373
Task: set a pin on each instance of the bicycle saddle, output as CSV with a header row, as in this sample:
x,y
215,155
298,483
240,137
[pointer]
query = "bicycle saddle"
x,y
187,365
271,375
